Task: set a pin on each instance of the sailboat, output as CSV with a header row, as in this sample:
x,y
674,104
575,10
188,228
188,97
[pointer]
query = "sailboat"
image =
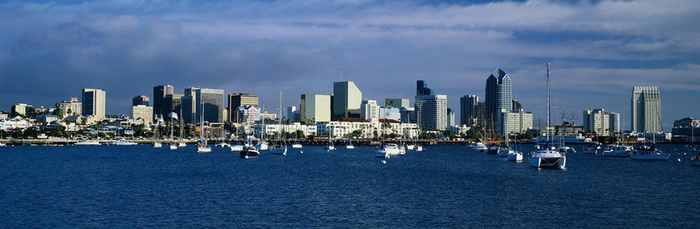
x,y
619,149
173,145
181,143
514,154
296,145
202,146
249,150
650,153
330,141
281,148
548,157
156,144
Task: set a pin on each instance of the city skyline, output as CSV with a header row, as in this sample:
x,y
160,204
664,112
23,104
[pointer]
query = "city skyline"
x,y
599,50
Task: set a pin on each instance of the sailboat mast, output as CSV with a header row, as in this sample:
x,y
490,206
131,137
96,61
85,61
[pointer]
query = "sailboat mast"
x,y
549,120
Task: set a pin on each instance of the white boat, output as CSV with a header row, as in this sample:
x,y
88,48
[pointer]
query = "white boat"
x,y
123,142
181,144
479,147
419,148
222,144
566,149
172,146
350,146
88,143
296,145
515,156
649,153
548,157
237,147
249,152
388,150
157,145
618,151
202,146
2,144
410,147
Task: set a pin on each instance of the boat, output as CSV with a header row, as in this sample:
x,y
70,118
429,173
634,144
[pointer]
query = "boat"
x,y
548,157
124,142
237,147
503,151
172,145
419,148
280,148
492,150
695,160
592,149
618,150
515,156
88,143
202,146
566,139
2,144
650,153
296,145
330,146
182,124
350,146
479,147
249,152
388,150
222,144
156,144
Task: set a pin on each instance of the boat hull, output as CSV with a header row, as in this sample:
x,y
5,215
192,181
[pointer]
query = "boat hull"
x,y
203,149
245,154
616,153
296,146
279,151
650,156
555,162
513,156
237,148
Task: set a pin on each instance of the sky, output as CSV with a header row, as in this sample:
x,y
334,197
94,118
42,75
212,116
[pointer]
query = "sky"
x,y
598,50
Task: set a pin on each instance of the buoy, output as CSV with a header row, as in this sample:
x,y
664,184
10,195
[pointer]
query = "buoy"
x,y
383,162
679,159
300,151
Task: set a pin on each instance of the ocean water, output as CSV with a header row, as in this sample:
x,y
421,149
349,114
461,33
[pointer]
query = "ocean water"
x,y
442,187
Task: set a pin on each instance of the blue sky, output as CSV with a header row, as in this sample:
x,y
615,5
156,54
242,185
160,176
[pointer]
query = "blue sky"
x,y
599,50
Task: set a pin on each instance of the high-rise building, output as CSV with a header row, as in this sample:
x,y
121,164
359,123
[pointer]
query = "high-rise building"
x,y
346,100
450,117
390,113
480,114
160,109
517,105
600,122
94,102
467,110
173,102
196,101
408,115
140,100
70,108
142,112
498,94
315,108
646,109
247,114
431,111
514,122
290,113
22,109
423,89
398,103
369,110
236,100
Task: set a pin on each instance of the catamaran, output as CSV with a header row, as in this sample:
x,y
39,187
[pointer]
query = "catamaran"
x,y
548,157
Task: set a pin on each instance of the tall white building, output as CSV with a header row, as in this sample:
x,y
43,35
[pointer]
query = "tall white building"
x,y
143,112
94,102
431,111
369,110
646,109
71,107
346,100
514,122
600,122
315,108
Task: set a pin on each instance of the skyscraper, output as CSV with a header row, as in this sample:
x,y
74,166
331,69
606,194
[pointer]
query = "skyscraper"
x,y
467,110
94,102
203,100
346,100
173,103
431,111
140,100
646,109
369,110
315,108
422,88
159,94
237,100
450,117
498,94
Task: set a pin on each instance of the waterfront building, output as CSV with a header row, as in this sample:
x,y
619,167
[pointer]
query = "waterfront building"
x,y
397,103
160,108
196,99
142,112
140,100
315,108
13,124
369,110
467,110
514,122
4,115
646,101
236,100
390,113
499,94
70,107
22,109
600,122
346,100
686,130
431,111
94,102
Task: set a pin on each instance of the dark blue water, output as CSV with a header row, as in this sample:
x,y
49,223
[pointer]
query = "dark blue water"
x,y
445,186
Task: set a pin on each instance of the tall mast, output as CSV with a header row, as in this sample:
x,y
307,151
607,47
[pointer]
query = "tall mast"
x,y
549,120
